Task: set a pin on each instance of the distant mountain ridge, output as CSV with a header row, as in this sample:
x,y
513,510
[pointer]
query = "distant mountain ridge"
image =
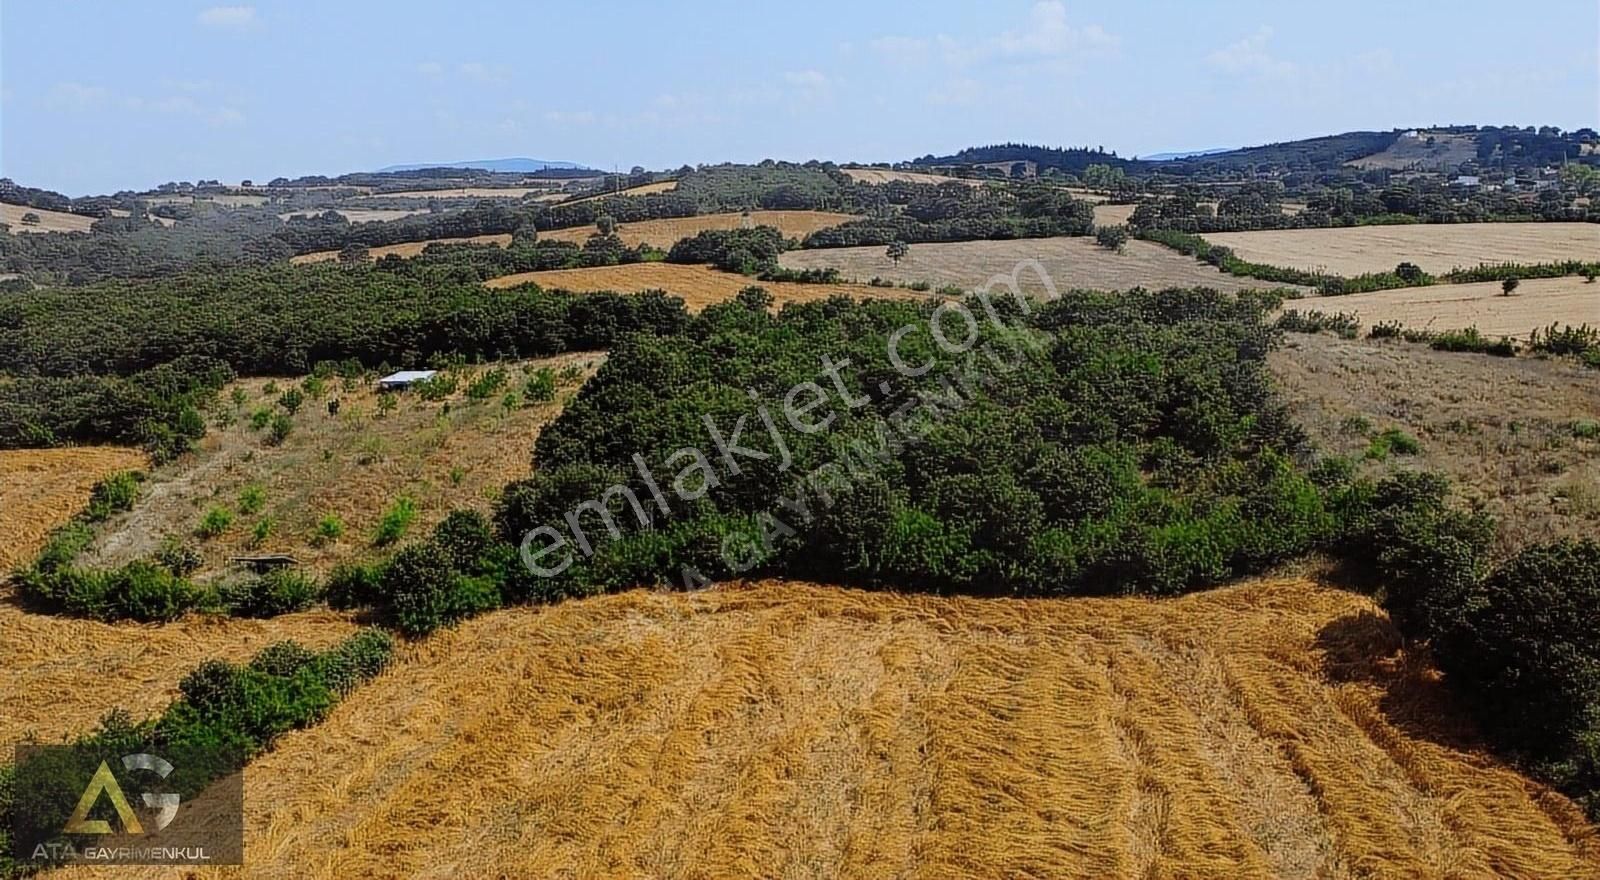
x,y
518,164
1187,154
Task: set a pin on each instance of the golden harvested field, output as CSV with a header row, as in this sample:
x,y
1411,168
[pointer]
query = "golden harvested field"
x,y
464,192
1112,215
1501,428
49,221
406,249
1436,248
1275,729
700,286
884,175
643,190
41,489
59,675
1538,303
665,233
1069,261
354,465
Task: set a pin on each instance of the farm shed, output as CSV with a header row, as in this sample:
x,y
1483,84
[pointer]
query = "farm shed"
x,y
404,379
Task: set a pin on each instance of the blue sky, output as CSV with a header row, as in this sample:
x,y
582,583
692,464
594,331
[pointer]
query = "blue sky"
x,y
96,97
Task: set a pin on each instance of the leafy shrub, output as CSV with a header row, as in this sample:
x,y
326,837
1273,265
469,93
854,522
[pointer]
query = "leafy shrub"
x,y
463,537
1385,330
1112,238
356,659
178,558
329,529
1312,321
260,418
422,592
215,522
1470,340
282,426
283,658
140,591
1525,649
541,386
392,526
291,400
487,385
352,585
437,387
1586,429
277,592
113,494
252,498
260,532
1399,536
1392,440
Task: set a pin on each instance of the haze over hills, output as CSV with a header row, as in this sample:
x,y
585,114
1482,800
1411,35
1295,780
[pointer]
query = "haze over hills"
x,y
1187,154
512,165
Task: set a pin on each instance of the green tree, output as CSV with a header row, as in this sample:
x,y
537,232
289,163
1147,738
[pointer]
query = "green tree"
x,y
897,251
1509,286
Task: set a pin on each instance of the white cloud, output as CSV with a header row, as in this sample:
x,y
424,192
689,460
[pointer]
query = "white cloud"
x,y
76,96
430,68
960,92
563,117
1046,35
227,116
483,73
902,50
806,79
1249,56
237,18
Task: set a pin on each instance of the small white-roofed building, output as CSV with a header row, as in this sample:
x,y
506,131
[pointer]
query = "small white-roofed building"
x,y
404,379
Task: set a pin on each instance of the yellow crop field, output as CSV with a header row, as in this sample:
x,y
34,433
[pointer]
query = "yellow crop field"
x,y
1112,215
665,233
1274,729
49,221
1537,303
41,489
1437,248
59,675
884,175
700,286
1069,261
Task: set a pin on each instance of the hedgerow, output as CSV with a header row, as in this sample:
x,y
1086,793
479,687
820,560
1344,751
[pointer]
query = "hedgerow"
x,y
225,715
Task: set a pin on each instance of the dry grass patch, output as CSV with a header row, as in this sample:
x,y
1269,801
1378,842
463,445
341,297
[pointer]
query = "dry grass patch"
x,y
443,455
646,189
1503,428
1070,262
1444,153
59,675
665,233
1271,730
884,175
464,192
41,489
1437,248
1112,215
700,286
405,249
1537,303
49,221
